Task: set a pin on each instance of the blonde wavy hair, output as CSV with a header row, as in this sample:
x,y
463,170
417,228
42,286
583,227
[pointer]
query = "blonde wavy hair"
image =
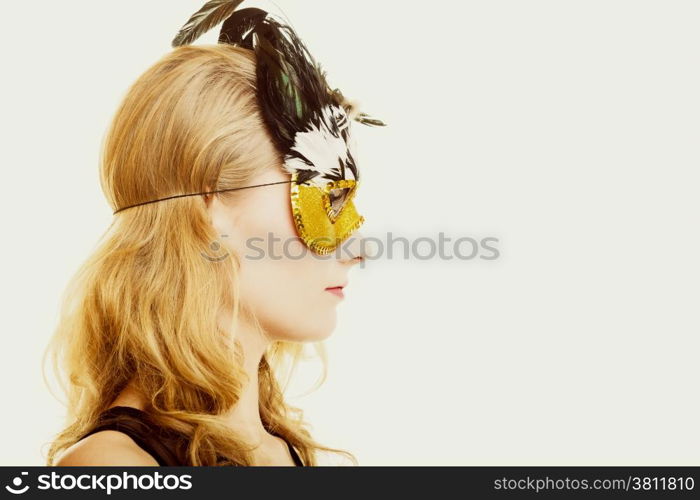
x,y
143,307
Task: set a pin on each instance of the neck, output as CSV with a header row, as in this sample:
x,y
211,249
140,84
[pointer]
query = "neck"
x,y
244,417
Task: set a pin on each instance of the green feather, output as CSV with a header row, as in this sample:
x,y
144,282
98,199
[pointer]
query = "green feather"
x,y
293,91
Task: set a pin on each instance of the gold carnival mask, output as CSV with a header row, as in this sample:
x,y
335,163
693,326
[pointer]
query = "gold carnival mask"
x,y
308,122
325,216
325,177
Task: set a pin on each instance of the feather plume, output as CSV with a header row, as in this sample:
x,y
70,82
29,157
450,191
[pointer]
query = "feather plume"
x,y
306,119
211,14
238,29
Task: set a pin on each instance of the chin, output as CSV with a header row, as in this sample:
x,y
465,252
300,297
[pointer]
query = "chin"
x,y
318,336
311,331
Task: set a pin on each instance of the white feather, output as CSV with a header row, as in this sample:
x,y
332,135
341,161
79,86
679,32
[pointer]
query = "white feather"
x,y
321,147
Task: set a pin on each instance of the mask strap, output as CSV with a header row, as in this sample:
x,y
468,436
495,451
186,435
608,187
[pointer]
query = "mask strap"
x,y
195,194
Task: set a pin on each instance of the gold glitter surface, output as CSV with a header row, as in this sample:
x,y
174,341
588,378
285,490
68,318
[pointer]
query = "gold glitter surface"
x,y
313,215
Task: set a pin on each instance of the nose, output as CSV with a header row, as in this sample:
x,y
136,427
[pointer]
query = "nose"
x,y
353,249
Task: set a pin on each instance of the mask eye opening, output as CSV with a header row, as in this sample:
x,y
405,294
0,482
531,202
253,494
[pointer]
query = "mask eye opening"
x,y
333,211
323,244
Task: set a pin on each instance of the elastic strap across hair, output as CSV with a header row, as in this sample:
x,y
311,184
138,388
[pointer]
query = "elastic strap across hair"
x,y
195,194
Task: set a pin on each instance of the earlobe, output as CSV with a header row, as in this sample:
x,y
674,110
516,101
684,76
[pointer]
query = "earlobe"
x,y
214,210
208,205
222,216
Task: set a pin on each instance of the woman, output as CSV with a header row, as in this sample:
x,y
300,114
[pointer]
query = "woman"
x,y
231,171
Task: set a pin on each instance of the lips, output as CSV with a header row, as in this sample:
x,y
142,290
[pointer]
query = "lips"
x,y
336,290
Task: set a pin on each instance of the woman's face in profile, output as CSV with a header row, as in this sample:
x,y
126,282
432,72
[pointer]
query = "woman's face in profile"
x,y
282,281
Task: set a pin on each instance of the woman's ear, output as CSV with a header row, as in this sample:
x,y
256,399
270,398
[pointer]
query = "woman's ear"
x,y
209,205
207,199
222,214
214,207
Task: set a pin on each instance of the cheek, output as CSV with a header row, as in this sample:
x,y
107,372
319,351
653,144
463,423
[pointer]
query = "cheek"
x,y
282,281
288,297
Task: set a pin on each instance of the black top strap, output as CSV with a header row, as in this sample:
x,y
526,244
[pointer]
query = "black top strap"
x,y
167,447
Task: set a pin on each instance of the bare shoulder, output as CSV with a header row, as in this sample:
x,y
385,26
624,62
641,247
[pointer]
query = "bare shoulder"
x,y
105,448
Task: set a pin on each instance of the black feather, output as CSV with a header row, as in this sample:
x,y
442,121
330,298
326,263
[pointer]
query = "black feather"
x,y
238,28
291,86
294,88
211,14
365,119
